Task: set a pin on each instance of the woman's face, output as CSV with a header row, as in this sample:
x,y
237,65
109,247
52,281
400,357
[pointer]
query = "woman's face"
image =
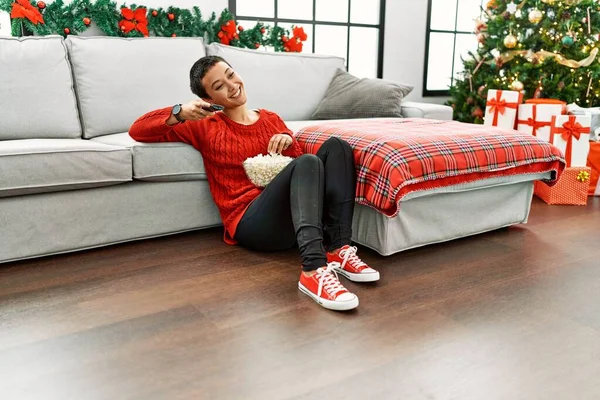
x,y
224,86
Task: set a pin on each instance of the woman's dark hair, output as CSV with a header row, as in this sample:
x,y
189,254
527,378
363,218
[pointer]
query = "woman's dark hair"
x,y
199,70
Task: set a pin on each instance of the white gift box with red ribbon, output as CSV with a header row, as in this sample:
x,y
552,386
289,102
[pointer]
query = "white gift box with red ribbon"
x,y
536,119
594,114
571,134
501,108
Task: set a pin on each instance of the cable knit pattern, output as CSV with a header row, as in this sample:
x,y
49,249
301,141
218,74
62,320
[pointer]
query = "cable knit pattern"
x,y
224,145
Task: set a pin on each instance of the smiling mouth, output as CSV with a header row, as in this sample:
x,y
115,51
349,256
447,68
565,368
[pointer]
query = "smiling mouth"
x,y
236,94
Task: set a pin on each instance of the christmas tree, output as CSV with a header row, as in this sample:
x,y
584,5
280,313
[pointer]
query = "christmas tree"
x,y
542,48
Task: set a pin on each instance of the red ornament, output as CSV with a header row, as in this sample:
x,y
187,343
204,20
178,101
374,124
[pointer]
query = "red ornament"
x,y
154,13
41,5
257,45
284,39
87,21
171,16
262,30
24,9
480,26
477,113
240,28
173,35
134,20
67,31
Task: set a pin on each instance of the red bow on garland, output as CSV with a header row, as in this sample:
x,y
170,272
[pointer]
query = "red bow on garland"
x,y
533,122
134,20
569,130
295,44
24,9
228,32
499,106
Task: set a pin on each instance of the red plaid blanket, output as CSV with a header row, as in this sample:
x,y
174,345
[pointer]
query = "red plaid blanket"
x,y
397,156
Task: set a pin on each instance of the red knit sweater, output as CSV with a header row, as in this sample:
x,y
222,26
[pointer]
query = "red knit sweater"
x,y
224,145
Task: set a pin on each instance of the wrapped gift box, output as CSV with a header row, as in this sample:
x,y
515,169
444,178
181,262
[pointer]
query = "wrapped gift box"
x,y
594,163
594,114
549,101
571,189
501,108
571,134
536,119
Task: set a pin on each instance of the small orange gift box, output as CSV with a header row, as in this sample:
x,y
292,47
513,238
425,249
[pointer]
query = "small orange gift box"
x,y
571,189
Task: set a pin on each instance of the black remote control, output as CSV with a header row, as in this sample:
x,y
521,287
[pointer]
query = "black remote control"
x,y
214,107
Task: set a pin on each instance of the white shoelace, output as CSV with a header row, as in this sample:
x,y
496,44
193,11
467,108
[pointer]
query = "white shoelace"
x,y
349,254
328,279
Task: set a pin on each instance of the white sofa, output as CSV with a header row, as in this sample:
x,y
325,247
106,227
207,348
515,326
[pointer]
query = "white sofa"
x,y
71,178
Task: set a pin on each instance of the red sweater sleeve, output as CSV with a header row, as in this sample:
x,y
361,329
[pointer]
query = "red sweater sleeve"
x,y
152,127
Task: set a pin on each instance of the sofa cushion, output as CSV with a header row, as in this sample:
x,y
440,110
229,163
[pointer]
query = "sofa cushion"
x,y
160,162
291,85
50,165
119,79
36,76
352,97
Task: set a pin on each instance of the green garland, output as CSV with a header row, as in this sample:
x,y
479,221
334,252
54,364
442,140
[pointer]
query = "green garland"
x,y
77,16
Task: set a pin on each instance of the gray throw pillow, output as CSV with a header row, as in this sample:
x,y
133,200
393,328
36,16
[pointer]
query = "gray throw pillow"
x,y
350,97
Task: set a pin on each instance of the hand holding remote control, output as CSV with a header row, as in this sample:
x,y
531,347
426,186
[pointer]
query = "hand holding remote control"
x,y
198,109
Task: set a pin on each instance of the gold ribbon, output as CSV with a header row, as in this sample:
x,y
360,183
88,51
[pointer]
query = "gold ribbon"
x,y
541,55
583,176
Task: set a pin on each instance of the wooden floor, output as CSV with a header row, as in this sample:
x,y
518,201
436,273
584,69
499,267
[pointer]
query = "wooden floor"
x,y
512,314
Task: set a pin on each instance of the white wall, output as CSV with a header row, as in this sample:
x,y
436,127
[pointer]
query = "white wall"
x,y
404,46
206,6
4,23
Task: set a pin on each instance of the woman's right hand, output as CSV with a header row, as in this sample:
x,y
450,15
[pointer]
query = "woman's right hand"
x,y
193,110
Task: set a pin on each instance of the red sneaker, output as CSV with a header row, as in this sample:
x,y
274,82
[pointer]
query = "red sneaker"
x,y
352,267
325,288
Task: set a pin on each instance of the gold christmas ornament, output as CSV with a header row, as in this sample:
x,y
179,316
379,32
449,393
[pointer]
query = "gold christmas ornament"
x,y
510,41
517,85
535,16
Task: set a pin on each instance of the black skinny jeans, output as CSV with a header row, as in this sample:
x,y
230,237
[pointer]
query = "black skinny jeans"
x,y
310,202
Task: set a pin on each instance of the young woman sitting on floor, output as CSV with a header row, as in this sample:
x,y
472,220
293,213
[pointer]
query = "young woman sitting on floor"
x,y
310,202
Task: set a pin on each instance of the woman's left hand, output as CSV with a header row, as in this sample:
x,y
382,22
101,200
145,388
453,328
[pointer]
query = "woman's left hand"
x,y
279,143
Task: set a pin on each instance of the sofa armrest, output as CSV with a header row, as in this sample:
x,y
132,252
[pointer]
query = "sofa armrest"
x,y
412,109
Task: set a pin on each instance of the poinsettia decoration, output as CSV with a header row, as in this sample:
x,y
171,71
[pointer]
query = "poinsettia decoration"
x,y
134,20
228,32
24,9
295,43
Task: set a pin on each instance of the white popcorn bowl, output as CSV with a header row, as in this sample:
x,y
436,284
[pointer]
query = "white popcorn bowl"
x,y
262,169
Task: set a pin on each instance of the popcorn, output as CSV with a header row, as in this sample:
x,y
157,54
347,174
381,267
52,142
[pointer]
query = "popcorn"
x,y
262,169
